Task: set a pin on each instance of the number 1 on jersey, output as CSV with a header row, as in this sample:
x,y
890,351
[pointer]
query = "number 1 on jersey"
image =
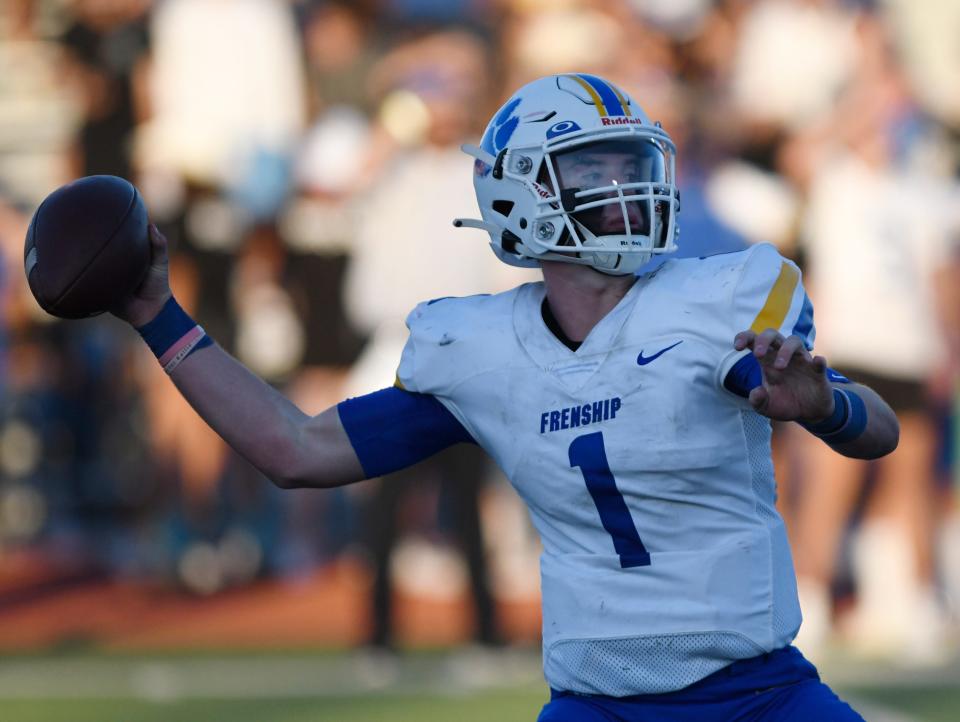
x,y
588,453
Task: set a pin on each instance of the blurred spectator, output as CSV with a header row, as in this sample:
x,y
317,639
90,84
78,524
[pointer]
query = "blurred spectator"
x,y
228,97
431,14
229,102
107,50
792,58
541,38
308,177
38,113
270,337
682,20
342,43
926,38
406,251
405,246
71,442
876,234
338,157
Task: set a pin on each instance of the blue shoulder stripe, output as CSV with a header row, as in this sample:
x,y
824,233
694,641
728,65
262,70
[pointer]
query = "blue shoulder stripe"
x,y
804,324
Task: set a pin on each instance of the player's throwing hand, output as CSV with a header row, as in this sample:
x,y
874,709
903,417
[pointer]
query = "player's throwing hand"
x,y
146,302
795,385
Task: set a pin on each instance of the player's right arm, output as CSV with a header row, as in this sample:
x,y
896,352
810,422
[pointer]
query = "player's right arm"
x,y
357,439
290,447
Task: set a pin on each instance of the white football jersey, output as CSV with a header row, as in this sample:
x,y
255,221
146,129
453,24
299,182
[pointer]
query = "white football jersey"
x,y
650,484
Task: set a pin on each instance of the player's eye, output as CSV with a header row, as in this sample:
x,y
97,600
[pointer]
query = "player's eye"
x,y
583,163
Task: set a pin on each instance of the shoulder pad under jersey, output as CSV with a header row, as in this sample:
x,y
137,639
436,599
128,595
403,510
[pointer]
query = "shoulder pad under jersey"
x,y
452,339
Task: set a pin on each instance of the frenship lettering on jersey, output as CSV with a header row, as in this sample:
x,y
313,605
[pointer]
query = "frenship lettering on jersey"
x,y
572,417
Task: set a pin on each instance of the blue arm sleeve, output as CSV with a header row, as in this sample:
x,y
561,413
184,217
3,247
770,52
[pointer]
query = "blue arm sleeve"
x,y
746,376
392,429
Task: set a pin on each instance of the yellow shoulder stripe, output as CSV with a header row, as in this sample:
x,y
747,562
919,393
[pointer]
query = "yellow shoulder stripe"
x,y
399,384
774,311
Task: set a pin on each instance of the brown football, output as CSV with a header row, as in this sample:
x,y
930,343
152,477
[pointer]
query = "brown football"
x,y
87,247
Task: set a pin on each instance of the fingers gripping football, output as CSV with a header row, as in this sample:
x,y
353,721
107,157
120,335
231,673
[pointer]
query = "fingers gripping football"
x,y
146,302
795,386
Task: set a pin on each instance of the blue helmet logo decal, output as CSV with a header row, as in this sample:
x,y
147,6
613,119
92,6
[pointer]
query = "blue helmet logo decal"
x,y
561,128
498,133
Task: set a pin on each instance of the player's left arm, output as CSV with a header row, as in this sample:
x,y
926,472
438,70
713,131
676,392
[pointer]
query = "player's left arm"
x,y
853,419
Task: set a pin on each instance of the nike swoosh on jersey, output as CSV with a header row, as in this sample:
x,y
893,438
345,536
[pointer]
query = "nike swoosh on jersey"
x,y
644,360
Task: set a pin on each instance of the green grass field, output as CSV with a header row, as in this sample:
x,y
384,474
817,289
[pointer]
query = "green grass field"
x,y
503,705
920,705
463,685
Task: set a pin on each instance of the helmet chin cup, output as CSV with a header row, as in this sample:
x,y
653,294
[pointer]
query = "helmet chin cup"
x,y
613,261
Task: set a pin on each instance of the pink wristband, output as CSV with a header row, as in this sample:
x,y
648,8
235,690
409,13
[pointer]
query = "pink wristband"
x,y
181,348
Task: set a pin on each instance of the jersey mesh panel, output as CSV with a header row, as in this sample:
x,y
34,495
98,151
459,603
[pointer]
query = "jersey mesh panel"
x,y
642,665
785,617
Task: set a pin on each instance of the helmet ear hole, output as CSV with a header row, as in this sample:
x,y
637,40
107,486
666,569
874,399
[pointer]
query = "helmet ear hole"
x,y
498,164
503,207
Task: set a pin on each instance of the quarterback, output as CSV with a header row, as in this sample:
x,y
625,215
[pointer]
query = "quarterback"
x,y
631,412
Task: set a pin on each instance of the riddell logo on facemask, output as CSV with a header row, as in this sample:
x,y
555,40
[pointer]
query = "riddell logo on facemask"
x,y
541,191
621,120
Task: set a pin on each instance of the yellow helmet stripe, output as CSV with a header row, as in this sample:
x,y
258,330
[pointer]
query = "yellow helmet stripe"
x,y
623,101
594,95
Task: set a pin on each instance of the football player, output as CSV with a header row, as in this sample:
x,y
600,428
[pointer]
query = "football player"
x,y
630,412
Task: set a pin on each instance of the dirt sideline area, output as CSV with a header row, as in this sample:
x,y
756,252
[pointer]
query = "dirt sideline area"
x,y
44,608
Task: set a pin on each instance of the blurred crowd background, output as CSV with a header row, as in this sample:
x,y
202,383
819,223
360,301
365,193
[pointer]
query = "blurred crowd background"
x,y
302,158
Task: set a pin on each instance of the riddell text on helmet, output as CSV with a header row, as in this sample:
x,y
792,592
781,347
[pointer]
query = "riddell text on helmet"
x,y
621,120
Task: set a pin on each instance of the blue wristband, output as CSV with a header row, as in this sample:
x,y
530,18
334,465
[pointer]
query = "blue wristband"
x,y
848,421
836,420
172,335
166,328
856,423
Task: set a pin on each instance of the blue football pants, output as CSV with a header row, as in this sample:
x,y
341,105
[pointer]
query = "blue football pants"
x,y
780,686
